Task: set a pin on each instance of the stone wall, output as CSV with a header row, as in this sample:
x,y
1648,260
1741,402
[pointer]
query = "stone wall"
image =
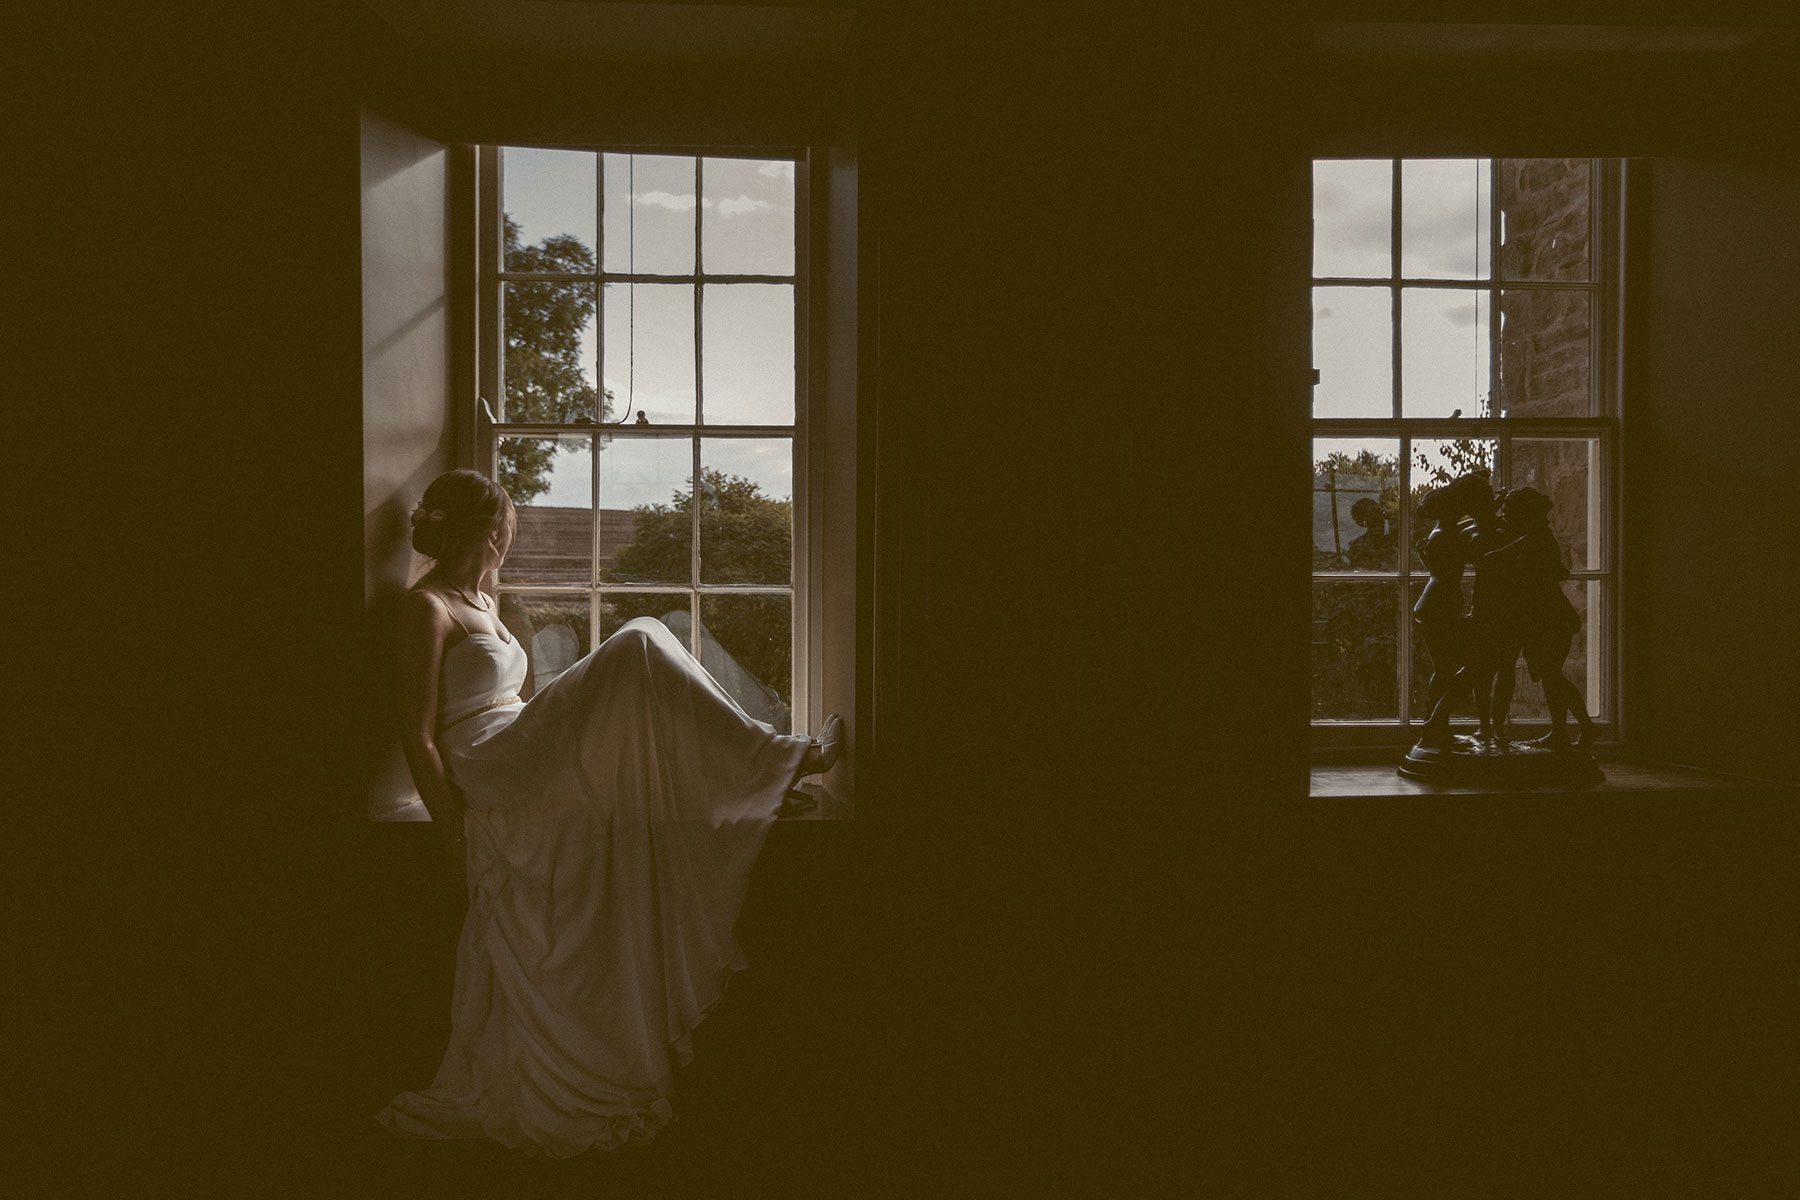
x,y
1544,339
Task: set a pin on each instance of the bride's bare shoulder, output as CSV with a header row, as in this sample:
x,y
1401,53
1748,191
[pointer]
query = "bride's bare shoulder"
x,y
423,609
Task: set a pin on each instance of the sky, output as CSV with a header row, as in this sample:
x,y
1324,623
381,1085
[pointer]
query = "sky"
x,y
747,334
1444,334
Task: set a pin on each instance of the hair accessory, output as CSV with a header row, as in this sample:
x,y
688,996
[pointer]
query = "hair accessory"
x,y
420,515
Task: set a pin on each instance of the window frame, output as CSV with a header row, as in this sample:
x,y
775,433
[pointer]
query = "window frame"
x,y
486,373
1341,739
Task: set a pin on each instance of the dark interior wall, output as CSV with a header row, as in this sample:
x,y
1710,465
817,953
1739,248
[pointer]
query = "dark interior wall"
x,y
1711,516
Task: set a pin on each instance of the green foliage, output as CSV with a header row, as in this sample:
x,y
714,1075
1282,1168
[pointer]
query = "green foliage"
x,y
746,537
544,379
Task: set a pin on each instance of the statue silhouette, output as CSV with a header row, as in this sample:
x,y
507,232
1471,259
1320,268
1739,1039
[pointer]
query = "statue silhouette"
x,y
1463,512
1517,607
1534,616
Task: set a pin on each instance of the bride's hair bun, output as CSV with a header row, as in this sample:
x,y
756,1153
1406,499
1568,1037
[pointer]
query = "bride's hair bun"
x,y
458,509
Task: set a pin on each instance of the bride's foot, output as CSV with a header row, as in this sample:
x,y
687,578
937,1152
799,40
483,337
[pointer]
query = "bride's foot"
x,y
822,753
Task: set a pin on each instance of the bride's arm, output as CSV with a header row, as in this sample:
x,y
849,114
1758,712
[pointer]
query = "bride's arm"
x,y
424,625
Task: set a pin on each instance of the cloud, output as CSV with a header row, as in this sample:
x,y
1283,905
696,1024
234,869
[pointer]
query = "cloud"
x,y
1462,314
776,170
731,207
742,204
668,200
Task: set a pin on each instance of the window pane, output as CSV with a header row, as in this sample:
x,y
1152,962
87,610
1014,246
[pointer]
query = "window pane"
x,y
649,214
1544,218
1565,470
747,510
1445,231
673,609
1356,488
1353,351
1581,668
551,484
747,223
553,629
749,353
747,643
1544,353
1353,673
549,200
650,351
1425,666
1353,206
550,352
1437,461
646,522
1443,352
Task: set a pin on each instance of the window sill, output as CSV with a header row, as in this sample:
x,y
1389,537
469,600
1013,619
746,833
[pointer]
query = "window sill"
x,y
1365,782
828,805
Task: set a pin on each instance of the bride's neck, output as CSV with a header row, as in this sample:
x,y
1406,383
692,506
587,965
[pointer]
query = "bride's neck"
x,y
465,575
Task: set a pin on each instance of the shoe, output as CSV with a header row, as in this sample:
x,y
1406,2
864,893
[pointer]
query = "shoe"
x,y
822,754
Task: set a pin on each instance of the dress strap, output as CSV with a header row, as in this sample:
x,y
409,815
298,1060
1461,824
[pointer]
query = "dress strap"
x,y
450,611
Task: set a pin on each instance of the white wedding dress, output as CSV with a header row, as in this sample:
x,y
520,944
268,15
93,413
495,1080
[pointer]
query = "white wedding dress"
x,y
611,825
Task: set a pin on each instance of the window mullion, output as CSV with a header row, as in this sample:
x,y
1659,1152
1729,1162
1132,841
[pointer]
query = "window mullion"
x,y
1394,291
595,597
696,496
1403,566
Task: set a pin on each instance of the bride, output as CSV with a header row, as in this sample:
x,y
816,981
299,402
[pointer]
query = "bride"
x,y
603,832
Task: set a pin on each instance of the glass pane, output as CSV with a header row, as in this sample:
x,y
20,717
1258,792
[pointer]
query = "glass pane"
x,y
749,353
646,522
747,643
1580,668
747,510
1356,493
1544,360
1354,676
650,351
1565,470
553,629
747,221
1445,228
673,609
1425,665
1544,218
1444,352
649,214
551,483
549,200
1436,462
551,352
1353,351
1353,207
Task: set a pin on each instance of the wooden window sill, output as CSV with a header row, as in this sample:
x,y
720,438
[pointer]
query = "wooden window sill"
x,y
1368,782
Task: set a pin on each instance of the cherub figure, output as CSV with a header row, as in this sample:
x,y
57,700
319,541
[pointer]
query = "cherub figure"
x,y
1463,515
1526,611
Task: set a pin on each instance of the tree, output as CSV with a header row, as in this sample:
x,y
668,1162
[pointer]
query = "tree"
x,y
544,377
746,537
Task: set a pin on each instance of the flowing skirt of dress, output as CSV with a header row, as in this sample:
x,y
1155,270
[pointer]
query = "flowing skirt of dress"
x,y
612,824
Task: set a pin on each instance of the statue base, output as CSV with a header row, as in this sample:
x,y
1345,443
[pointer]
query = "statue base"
x,y
1471,762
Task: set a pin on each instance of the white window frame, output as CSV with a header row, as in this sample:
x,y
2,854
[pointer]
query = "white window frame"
x,y
1335,739
488,425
